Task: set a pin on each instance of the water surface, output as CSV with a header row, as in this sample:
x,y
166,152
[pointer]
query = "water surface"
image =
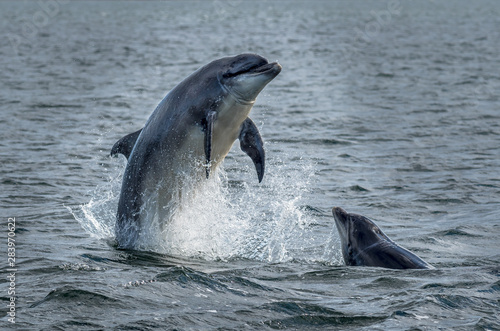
x,y
388,109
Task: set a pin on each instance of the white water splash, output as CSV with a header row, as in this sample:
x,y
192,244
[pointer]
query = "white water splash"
x,y
98,216
221,221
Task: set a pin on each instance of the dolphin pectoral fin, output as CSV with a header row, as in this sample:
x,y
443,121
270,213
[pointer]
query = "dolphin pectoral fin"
x,y
252,144
125,145
209,128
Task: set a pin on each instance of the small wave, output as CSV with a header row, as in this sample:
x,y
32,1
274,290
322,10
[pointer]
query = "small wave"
x,y
385,75
237,285
312,141
453,301
451,232
80,267
315,211
388,282
305,315
25,181
429,110
444,201
54,105
95,258
460,231
496,287
70,295
357,188
137,283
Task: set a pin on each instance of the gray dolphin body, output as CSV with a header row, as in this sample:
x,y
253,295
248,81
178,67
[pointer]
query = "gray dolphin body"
x,y
185,138
364,244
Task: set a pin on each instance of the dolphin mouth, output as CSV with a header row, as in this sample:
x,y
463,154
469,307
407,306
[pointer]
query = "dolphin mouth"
x,y
256,69
268,67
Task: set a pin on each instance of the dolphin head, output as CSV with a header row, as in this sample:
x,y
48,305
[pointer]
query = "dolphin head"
x,y
245,75
357,233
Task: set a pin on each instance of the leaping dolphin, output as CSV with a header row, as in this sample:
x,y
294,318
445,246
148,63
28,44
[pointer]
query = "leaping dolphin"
x,y
364,244
186,137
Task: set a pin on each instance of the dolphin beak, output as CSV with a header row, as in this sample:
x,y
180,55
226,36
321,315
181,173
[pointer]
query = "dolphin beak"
x,y
273,68
340,216
277,67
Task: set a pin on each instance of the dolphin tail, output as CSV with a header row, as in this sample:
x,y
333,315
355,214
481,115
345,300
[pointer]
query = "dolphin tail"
x,y
251,143
125,145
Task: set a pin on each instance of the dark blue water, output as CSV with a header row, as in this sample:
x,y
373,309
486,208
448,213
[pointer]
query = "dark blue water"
x,y
388,109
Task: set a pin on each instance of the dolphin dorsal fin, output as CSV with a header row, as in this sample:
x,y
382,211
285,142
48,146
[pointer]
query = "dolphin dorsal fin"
x,y
126,144
251,143
208,127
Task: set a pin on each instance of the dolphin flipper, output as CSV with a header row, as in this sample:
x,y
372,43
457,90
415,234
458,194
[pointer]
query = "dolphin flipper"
x,y
126,144
252,144
209,129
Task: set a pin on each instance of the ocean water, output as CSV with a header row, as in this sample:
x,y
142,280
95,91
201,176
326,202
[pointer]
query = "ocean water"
x,y
389,109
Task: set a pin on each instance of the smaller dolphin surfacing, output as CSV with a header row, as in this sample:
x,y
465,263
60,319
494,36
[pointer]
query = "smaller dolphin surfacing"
x,y
364,244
